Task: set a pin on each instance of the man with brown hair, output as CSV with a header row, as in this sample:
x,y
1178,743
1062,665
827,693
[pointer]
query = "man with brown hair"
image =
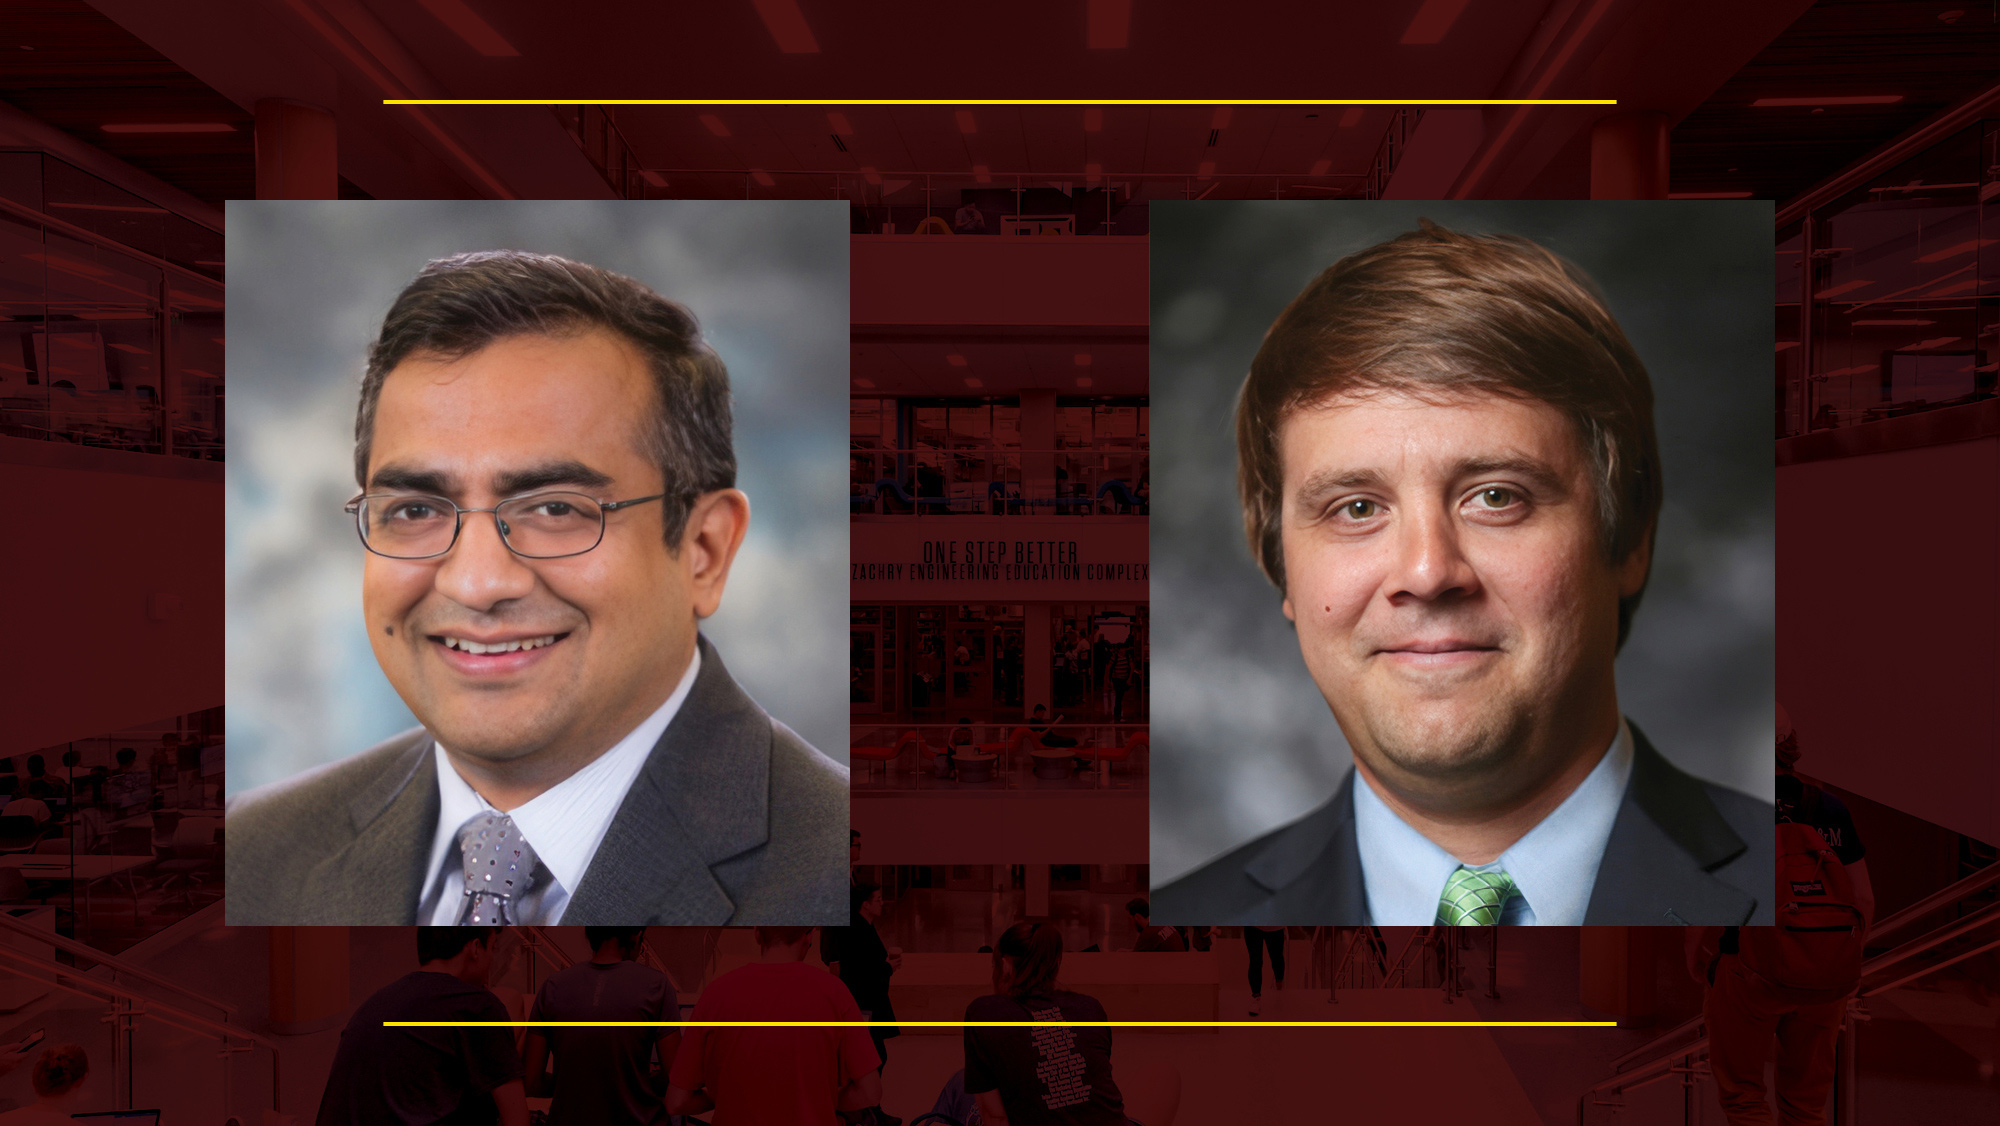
x,y
1448,468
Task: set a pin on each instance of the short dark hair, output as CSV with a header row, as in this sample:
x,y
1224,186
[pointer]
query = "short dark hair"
x,y
1138,906
126,756
859,893
35,764
442,944
780,936
458,305
1436,313
626,937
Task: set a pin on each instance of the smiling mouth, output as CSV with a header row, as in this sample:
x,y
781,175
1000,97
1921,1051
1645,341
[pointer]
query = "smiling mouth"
x,y
494,648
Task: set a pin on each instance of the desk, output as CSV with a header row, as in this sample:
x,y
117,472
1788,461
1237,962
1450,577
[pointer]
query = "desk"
x,y
88,870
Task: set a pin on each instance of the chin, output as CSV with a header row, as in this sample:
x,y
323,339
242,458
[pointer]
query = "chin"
x,y
1445,738
491,738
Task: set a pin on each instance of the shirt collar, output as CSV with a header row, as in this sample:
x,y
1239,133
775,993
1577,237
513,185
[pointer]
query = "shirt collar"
x,y
1553,865
566,822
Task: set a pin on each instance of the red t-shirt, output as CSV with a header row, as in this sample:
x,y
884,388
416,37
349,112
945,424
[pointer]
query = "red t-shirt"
x,y
765,1075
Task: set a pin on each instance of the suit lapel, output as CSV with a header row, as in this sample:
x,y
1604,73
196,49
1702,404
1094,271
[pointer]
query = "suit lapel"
x,y
379,877
1667,839
1312,868
702,797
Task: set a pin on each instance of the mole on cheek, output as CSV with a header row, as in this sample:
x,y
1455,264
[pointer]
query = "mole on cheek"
x,y
390,630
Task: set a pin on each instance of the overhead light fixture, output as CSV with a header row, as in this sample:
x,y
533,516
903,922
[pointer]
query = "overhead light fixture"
x,y
973,381
1841,100
1896,321
1935,342
1082,359
466,24
1844,287
715,125
1093,120
1220,120
838,123
1432,22
787,25
866,384
171,127
652,177
982,174
1708,195
762,177
870,175
1108,24
955,360
1206,170
1319,167
1350,117
137,351
1083,381
965,122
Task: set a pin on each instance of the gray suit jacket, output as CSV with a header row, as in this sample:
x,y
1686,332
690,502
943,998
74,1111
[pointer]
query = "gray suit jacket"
x,y
1682,851
733,820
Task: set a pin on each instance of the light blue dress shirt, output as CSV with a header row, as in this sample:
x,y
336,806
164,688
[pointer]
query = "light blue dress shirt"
x,y
1554,865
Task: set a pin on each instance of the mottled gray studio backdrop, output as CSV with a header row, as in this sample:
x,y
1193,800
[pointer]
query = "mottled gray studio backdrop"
x,y
308,285
1242,740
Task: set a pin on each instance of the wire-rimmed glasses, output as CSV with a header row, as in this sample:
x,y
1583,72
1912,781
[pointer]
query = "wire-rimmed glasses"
x,y
549,525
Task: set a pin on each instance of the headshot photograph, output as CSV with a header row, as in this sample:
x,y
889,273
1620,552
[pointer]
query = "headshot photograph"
x,y
532,607
1462,563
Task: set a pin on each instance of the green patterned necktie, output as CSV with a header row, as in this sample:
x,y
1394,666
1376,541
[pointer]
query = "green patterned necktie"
x,y
1474,899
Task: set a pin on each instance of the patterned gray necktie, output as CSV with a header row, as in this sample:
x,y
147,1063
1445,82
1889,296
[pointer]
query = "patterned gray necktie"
x,y
499,865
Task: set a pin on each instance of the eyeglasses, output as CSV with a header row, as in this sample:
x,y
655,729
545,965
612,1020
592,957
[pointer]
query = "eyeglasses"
x,y
536,526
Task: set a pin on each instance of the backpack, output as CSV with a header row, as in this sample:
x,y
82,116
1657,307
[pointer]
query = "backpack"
x,y
1813,952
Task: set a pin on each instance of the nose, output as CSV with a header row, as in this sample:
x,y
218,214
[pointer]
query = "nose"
x,y
1430,562
480,573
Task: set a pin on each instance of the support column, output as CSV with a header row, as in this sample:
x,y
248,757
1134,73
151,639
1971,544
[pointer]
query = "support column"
x,y
308,978
1037,906
297,154
1628,156
1038,438
1616,970
1037,658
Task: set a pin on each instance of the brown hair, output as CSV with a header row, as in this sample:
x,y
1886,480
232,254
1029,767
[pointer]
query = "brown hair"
x,y
458,305
1037,950
1437,313
60,1069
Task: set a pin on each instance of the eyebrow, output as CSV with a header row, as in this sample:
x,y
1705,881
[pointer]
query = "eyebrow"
x,y
1323,484
509,482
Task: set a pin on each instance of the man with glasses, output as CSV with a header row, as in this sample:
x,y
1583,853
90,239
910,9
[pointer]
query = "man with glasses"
x,y
547,504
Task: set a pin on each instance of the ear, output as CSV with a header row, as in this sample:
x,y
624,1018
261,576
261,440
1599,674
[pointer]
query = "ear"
x,y
714,531
1633,569
1289,616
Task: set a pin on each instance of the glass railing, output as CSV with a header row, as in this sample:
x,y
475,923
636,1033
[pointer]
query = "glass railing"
x,y
1964,927
130,1020
997,755
104,345
992,481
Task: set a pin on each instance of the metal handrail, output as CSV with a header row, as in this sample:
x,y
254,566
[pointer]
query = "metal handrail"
x,y
1951,893
117,965
90,236
68,980
1660,1066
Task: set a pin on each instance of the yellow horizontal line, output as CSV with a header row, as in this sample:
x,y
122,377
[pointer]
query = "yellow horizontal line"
x,y
999,101
999,1023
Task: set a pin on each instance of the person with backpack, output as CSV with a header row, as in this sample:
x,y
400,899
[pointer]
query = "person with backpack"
x,y
1786,986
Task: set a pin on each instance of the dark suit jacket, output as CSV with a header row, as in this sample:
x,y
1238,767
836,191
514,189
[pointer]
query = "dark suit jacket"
x,y
1682,851
733,820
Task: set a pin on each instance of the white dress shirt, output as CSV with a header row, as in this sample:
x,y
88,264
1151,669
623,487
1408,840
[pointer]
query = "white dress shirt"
x,y
1553,865
564,824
